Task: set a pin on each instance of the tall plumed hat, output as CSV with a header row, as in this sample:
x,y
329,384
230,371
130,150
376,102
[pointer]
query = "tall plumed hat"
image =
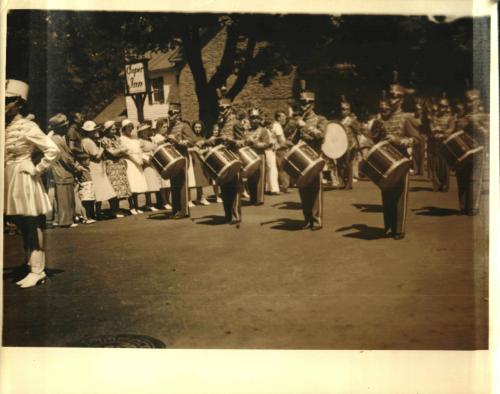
x,y
396,87
305,95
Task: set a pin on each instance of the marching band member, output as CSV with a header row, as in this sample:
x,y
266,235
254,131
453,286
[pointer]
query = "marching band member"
x,y
231,191
400,129
259,140
442,125
311,129
469,177
353,128
182,136
26,202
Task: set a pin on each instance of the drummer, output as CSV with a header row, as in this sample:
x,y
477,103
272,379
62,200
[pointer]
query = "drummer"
x,y
442,125
353,129
310,129
231,191
400,129
258,138
469,177
181,135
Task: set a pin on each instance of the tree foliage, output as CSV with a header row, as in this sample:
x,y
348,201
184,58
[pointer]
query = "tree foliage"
x,y
73,60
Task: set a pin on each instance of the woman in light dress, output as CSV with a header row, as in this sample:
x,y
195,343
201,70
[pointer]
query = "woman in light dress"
x,y
26,202
104,191
135,159
153,178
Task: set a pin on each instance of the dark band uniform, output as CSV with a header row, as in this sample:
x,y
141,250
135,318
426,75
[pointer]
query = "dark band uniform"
x,y
181,131
231,191
312,195
397,128
469,177
442,125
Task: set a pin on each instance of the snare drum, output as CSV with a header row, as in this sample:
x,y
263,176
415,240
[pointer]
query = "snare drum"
x,y
385,165
303,163
250,159
168,161
222,164
459,148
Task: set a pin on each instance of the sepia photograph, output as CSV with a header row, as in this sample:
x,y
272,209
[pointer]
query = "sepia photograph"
x,y
246,180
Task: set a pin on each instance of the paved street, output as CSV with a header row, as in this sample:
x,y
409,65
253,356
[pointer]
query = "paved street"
x,y
201,284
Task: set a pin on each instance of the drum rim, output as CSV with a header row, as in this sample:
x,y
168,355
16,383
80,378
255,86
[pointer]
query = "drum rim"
x,y
294,148
314,163
452,136
375,147
227,165
162,145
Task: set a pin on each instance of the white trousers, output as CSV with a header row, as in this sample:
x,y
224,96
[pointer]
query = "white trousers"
x,y
272,184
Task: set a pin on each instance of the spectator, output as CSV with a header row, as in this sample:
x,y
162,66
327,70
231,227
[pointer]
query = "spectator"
x,y
278,143
153,178
85,187
197,175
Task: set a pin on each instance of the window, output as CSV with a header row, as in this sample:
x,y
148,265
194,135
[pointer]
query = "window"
x,y
157,93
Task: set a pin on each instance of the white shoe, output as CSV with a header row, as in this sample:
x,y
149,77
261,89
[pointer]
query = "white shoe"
x,y
73,225
32,279
245,195
133,211
119,215
191,204
203,201
89,221
154,209
218,200
167,207
139,211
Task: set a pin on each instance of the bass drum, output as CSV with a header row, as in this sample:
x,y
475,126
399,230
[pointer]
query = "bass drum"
x,y
459,148
250,159
168,161
335,141
303,164
385,165
222,164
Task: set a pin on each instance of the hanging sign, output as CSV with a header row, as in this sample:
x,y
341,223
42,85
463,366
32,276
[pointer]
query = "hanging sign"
x,y
136,77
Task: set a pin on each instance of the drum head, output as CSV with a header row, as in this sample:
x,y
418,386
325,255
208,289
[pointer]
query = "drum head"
x,y
335,142
310,173
250,168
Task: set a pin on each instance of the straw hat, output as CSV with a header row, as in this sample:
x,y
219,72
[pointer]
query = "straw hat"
x,y
15,88
89,126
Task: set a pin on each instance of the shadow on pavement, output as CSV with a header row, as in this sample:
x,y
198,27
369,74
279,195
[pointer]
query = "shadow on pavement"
x,y
211,220
288,205
369,207
285,224
19,272
365,232
420,189
435,211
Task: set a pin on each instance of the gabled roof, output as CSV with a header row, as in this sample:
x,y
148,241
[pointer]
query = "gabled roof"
x,y
164,60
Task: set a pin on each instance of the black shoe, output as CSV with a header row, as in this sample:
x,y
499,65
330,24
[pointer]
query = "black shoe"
x,y
257,204
398,236
473,212
180,215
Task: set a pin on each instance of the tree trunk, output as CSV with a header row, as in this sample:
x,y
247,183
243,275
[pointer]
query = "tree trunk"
x,y
208,108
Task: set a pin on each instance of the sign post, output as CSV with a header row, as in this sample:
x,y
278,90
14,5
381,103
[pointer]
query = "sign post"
x,y
137,84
